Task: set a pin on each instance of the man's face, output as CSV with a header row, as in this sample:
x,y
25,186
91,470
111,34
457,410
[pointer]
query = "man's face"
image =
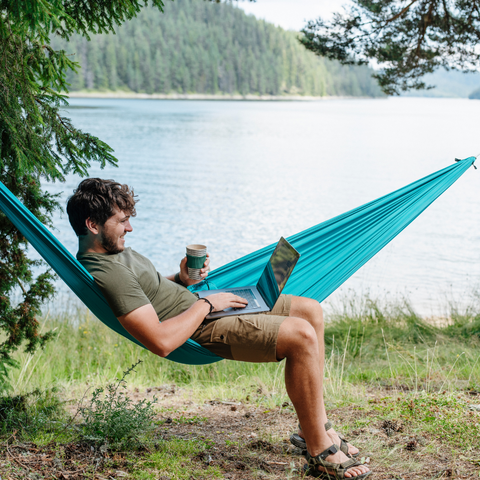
x,y
112,234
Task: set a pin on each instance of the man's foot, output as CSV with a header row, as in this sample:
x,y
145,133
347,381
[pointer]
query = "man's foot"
x,y
338,458
335,439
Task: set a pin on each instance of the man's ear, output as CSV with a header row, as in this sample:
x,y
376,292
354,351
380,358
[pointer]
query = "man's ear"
x,y
92,226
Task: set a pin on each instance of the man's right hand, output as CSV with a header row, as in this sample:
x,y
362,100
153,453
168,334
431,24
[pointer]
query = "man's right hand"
x,y
221,301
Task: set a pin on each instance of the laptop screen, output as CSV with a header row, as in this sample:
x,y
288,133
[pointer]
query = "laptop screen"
x,y
277,271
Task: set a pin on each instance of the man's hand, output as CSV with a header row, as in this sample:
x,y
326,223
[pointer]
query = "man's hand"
x,y
221,301
184,271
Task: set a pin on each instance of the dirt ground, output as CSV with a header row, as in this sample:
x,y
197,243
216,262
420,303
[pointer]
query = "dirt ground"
x,y
245,441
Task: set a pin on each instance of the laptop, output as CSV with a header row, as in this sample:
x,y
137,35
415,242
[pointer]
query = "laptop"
x,y
263,296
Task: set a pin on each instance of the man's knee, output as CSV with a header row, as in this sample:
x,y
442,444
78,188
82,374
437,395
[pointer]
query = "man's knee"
x,y
316,312
309,309
296,335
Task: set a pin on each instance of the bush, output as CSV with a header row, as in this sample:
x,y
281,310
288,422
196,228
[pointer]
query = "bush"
x,y
112,418
31,413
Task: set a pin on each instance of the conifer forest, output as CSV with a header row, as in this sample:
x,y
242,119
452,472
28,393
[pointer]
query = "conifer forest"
x,y
202,47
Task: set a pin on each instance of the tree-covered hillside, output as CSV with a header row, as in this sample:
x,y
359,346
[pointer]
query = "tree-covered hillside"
x,y
204,47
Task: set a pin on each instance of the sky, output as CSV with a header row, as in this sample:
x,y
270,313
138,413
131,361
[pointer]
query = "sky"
x,y
291,14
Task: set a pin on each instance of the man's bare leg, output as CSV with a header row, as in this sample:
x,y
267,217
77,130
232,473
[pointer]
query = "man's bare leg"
x,y
311,311
298,343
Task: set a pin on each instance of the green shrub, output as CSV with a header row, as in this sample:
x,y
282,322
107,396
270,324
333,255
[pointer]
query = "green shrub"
x,y
112,418
31,414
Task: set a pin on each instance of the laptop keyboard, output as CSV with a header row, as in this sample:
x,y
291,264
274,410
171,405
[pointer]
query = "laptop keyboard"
x,y
248,295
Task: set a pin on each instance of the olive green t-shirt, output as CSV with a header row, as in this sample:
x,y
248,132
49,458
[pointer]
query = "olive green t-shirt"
x,y
129,280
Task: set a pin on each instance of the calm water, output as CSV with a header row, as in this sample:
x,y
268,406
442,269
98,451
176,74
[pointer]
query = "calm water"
x,y
238,175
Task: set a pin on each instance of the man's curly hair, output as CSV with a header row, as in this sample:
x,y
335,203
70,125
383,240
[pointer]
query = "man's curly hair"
x,y
96,199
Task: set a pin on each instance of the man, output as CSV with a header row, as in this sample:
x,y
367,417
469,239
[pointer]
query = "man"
x,y
162,314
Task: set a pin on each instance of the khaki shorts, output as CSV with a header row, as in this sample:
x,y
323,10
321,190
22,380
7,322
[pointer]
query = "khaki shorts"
x,y
245,338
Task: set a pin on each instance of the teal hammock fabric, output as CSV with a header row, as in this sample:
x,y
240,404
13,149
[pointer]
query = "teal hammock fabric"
x,y
330,252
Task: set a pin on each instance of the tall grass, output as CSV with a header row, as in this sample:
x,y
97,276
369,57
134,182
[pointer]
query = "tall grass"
x,y
390,344
367,342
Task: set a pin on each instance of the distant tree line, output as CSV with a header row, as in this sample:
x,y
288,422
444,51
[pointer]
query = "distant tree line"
x,y
202,47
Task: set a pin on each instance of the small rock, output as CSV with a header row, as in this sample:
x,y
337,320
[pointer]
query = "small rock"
x,y
475,408
35,476
421,441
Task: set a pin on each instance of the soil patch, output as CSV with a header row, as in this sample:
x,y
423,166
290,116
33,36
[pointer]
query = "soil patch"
x,y
246,441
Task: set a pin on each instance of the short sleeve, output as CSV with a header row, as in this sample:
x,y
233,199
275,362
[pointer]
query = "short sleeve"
x,y
120,288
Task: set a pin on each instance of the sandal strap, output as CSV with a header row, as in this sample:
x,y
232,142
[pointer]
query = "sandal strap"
x,y
338,467
320,458
351,462
344,466
343,441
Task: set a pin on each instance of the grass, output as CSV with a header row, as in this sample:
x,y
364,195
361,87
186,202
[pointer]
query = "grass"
x,y
173,458
365,343
390,344
384,363
411,427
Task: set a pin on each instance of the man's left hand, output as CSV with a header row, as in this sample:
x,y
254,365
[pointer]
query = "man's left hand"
x,y
184,272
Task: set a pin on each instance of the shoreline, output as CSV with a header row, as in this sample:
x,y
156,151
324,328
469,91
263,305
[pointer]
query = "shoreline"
x,y
202,96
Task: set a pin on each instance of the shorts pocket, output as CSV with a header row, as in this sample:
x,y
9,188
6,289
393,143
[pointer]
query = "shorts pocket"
x,y
234,330
219,332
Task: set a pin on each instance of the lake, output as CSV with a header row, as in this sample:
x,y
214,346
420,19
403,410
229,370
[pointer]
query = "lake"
x,y
238,175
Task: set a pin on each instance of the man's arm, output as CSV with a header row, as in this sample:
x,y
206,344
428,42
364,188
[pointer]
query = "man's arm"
x,y
162,338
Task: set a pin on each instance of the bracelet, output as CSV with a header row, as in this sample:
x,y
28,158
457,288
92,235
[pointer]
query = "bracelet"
x,y
211,306
177,280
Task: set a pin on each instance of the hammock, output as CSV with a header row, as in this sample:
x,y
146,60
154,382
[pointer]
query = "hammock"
x,y
330,252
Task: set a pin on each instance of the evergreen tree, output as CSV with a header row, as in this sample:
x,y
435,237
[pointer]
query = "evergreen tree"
x,y
407,39
37,143
201,47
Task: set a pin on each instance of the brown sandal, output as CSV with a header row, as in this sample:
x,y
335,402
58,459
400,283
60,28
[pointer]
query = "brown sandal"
x,y
334,470
299,442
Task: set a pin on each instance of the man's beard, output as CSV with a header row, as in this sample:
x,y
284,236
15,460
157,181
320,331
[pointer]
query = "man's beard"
x,y
109,243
